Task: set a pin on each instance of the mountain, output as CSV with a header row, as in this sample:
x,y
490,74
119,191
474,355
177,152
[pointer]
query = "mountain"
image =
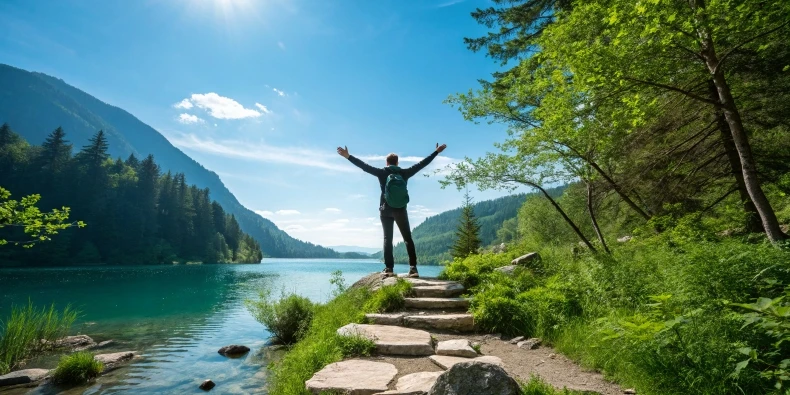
x,y
434,236
34,104
361,250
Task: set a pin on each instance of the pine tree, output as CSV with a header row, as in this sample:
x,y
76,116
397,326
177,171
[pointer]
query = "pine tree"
x,y
467,236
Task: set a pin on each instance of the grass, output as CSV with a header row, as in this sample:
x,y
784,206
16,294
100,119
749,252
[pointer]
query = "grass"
x,y
321,345
390,298
656,315
23,331
536,386
77,368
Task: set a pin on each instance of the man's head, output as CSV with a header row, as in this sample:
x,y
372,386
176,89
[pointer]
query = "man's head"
x,y
392,160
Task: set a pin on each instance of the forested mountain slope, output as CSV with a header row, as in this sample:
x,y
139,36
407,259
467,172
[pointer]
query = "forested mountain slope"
x,y
34,104
435,235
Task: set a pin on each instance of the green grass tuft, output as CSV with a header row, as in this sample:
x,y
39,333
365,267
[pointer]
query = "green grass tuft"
x,y
536,386
389,298
77,368
22,332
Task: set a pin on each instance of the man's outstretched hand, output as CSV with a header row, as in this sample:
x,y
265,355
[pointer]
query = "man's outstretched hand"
x,y
343,151
439,148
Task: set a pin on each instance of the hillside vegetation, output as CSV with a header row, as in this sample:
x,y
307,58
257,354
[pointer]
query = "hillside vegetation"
x,y
35,104
666,262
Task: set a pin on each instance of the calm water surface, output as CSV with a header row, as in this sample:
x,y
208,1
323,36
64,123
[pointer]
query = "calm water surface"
x,y
176,317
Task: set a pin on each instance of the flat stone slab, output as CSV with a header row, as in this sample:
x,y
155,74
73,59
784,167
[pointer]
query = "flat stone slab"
x,y
446,362
353,377
437,303
414,384
23,377
386,319
438,290
456,348
392,340
112,360
455,322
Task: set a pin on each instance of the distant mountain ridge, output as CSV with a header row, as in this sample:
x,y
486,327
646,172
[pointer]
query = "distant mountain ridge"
x,y
361,250
34,104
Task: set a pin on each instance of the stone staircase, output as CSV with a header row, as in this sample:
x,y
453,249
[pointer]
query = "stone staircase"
x,y
434,306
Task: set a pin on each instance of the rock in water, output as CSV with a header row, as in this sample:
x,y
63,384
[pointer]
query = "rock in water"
x,y
456,348
76,343
23,377
354,377
207,385
475,378
234,350
113,360
525,259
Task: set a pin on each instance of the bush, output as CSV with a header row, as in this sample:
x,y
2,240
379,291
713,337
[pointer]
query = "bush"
x,y
287,319
389,298
77,368
23,331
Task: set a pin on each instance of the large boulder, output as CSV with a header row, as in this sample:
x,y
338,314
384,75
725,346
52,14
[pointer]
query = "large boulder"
x,y
475,378
23,377
526,259
353,377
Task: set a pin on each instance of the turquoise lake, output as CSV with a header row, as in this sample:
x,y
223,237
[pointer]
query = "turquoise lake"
x,y
176,317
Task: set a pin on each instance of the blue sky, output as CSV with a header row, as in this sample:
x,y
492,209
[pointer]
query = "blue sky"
x,y
263,91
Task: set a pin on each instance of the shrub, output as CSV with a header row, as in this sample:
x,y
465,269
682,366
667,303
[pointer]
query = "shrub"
x,y
287,318
355,346
77,368
389,298
23,331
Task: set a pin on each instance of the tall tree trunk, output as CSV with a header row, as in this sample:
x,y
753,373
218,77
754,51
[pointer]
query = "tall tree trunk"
x,y
564,216
741,141
753,223
592,217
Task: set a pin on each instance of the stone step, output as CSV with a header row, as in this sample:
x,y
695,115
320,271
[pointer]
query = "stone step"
x,y
438,290
437,303
415,383
354,376
392,340
461,322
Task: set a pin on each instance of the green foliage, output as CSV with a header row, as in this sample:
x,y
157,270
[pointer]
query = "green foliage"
x,y
536,386
136,214
467,235
287,319
355,346
37,226
389,298
77,368
771,317
22,332
321,345
474,269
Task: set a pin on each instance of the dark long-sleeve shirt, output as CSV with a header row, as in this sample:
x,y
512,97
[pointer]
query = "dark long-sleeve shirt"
x,y
382,173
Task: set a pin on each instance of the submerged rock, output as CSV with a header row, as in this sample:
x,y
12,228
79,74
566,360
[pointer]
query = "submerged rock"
x,y
234,350
207,385
24,376
76,343
475,378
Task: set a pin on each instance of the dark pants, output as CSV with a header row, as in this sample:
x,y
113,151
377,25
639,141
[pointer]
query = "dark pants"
x,y
399,216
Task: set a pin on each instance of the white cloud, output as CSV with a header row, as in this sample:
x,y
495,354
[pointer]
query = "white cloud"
x,y
332,210
287,212
279,92
220,107
342,221
449,3
187,119
263,108
264,213
261,152
281,45
421,212
185,104
439,163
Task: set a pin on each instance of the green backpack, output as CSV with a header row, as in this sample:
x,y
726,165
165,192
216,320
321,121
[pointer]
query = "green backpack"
x,y
395,192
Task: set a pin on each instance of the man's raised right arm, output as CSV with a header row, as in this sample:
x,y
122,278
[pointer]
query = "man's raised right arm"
x,y
343,151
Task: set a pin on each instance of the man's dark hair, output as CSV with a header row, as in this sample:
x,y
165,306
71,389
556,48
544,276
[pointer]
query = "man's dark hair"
x,y
392,159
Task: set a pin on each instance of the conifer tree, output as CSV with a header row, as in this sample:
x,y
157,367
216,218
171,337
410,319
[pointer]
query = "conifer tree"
x,y
467,236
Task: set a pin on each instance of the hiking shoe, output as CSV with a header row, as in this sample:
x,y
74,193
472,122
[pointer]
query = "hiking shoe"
x,y
387,272
413,272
